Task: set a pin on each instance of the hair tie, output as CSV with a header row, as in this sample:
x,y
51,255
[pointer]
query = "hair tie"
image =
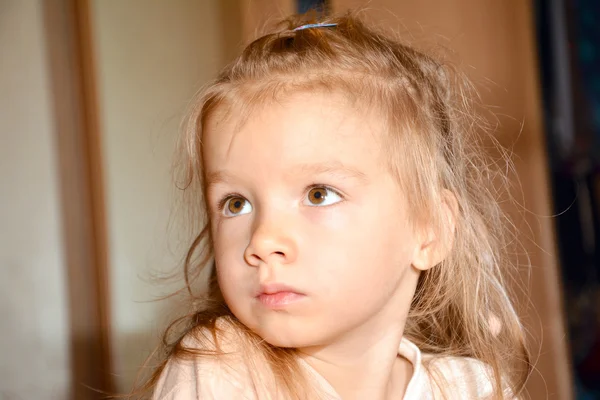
x,y
319,25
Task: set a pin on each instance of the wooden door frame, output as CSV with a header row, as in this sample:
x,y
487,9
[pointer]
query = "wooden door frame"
x,y
72,73
78,145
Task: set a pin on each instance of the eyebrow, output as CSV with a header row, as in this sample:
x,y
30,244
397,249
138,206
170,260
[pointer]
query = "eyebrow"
x,y
327,168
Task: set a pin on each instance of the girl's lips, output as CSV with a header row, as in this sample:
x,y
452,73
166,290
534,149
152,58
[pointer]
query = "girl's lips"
x,y
276,287
279,299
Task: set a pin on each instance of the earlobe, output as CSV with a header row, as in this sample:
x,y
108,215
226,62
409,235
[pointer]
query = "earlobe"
x,y
437,243
427,252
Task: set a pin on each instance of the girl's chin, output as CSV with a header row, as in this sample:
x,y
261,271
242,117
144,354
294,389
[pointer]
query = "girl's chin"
x,y
287,338
284,339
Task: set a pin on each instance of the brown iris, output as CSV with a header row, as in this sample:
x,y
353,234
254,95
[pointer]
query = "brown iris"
x,y
317,195
236,205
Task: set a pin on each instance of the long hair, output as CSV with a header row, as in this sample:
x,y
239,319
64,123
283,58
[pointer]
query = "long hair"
x,y
435,147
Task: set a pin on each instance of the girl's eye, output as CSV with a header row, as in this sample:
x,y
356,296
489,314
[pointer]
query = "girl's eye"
x,y
322,196
235,206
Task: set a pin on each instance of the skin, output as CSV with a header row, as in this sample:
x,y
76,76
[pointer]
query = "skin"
x,y
349,250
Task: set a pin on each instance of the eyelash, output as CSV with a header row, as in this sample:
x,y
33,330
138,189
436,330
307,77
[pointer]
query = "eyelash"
x,y
225,199
327,187
221,203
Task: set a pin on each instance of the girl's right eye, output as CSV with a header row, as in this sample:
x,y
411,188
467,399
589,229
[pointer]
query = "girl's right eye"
x,y
235,206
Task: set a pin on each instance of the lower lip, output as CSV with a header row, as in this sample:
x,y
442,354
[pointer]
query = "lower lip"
x,y
279,299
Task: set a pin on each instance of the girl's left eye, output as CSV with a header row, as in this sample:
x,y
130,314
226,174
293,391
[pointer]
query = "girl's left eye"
x,y
322,196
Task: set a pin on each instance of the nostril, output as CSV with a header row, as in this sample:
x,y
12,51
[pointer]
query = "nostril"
x,y
279,253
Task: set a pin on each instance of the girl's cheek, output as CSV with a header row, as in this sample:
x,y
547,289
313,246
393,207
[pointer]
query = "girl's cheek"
x,y
334,217
221,224
230,233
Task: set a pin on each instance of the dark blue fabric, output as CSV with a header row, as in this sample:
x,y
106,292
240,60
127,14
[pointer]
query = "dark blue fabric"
x,y
575,173
306,5
587,44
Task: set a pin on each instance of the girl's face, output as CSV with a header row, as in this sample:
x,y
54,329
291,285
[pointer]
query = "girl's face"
x,y
311,234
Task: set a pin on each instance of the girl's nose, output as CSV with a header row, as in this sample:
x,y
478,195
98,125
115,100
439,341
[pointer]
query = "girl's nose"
x,y
271,244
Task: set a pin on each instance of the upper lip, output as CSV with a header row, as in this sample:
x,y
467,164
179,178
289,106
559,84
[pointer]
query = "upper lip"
x,y
272,288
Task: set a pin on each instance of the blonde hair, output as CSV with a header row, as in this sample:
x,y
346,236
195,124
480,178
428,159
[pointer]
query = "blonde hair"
x,y
434,141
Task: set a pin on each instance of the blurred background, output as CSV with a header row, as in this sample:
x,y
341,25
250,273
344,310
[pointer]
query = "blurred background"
x,y
92,93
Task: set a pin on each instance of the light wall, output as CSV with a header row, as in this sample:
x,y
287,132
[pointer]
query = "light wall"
x,y
34,359
151,57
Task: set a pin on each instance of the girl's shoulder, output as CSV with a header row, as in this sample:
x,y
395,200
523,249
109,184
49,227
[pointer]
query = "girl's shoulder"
x,y
210,367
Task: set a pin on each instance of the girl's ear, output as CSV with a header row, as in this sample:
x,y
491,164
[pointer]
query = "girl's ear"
x,y
435,244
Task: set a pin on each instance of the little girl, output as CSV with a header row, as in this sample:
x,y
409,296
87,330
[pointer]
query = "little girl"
x,y
355,245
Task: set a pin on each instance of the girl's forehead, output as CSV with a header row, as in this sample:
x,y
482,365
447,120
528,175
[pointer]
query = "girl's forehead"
x,y
315,110
240,104
297,129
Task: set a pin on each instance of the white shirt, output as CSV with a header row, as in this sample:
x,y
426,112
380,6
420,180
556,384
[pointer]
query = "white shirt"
x,y
210,378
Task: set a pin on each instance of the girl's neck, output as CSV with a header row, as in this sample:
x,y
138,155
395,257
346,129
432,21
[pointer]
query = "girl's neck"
x,y
364,365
